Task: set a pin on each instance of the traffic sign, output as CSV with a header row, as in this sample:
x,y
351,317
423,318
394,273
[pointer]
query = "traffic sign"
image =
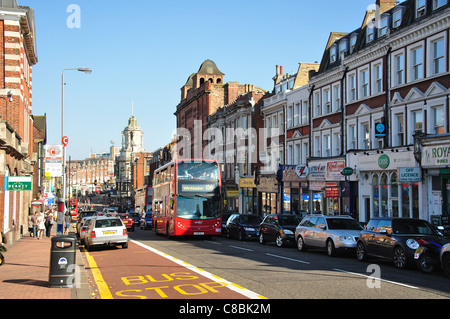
x,y
65,140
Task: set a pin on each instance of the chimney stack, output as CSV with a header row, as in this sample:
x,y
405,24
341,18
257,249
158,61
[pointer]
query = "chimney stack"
x,y
278,70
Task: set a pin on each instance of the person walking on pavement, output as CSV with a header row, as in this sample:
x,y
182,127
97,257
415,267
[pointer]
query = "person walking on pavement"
x,y
49,221
35,224
67,220
31,224
40,224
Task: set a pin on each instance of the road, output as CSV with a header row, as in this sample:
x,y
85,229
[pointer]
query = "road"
x,y
156,267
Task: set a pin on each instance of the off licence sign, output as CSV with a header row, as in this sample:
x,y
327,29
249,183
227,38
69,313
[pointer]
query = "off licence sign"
x,y
19,183
409,174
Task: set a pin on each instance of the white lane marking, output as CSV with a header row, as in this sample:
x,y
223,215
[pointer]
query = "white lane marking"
x,y
242,248
232,286
366,276
290,259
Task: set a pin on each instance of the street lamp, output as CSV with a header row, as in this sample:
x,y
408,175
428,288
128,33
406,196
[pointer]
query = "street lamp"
x,y
60,218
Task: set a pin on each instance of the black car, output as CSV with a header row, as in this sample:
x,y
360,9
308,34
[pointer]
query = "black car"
x,y
243,226
225,216
395,239
279,228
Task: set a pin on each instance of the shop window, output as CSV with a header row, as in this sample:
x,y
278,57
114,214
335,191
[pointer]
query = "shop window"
x,y
376,195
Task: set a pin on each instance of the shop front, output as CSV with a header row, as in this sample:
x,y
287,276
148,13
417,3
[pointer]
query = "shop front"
x,y
268,198
390,185
247,194
295,192
326,186
435,162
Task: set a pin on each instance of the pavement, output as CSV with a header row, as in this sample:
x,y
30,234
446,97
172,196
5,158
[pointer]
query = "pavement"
x,y
25,274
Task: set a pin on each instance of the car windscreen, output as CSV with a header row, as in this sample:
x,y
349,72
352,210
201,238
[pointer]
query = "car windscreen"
x,y
341,223
104,223
250,219
420,227
289,220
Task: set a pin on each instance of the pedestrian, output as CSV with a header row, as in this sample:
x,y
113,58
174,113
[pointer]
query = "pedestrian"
x,y
31,224
67,221
40,225
49,221
35,224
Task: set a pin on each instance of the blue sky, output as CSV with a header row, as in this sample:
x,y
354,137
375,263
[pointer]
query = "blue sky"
x,y
142,52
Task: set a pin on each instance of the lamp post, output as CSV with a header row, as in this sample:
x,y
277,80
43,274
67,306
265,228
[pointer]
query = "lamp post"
x,y
60,218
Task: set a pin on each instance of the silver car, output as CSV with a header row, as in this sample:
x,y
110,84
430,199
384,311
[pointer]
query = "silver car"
x,y
106,231
333,233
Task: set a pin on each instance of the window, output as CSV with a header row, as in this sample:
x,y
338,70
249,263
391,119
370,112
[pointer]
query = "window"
x,y
400,129
318,108
438,49
305,112
336,98
377,74
352,137
397,18
326,145
438,3
417,118
352,87
370,33
297,111
290,116
364,79
297,155
399,69
416,63
383,27
343,48
353,43
333,54
317,146
438,120
305,151
337,143
365,136
326,101
420,8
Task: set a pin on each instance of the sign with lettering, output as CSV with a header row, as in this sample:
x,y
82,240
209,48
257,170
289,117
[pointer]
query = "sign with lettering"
x,y
409,174
19,183
436,155
189,187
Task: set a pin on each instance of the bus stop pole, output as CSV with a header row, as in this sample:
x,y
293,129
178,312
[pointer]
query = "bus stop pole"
x,y
60,217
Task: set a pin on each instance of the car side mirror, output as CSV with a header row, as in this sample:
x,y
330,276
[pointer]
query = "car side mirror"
x,y
323,227
384,232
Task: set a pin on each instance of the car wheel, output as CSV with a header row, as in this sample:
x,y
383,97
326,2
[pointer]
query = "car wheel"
x,y
301,244
331,249
399,257
426,263
446,265
262,241
228,234
279,241
241,235
361,254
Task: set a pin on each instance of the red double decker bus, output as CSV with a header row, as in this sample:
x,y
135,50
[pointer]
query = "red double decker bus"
x,y
187,198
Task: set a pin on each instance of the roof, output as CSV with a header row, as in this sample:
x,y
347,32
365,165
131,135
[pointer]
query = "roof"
x,y
209,67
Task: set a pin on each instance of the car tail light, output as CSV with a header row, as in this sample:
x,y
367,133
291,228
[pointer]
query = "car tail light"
x,y
93,234
125,232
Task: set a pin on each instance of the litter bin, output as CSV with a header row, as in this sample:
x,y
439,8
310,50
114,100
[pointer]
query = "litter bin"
x,y
62,261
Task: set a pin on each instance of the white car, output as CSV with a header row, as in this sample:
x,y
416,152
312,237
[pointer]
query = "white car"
x,y
333,233
106,231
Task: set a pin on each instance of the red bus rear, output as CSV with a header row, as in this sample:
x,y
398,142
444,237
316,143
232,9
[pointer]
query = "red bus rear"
x,y
73,206
187,198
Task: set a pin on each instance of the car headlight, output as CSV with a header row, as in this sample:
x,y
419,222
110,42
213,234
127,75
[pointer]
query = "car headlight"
x,y
288,232
346,238
249,229
412,243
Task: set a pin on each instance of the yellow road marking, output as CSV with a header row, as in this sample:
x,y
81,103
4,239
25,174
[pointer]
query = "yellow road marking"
x,y
103,288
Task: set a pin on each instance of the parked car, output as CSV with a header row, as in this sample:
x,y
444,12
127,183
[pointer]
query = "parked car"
x,y
243,226
83,228
106,231
82,215
127,220
146,220
333,233
137,218
395,239
279,228
445,259
225,216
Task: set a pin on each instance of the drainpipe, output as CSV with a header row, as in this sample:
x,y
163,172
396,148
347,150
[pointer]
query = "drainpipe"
x,y
388,138
311,90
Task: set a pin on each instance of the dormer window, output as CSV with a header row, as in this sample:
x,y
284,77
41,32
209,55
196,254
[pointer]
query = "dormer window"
x,y
439,3
420,8
383,27
397,17
370,34
353,43
333,54
343,48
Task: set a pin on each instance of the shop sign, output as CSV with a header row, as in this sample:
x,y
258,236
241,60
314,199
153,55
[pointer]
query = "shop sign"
x,y
302,170
347,171
409,174
436,155
247,182
19,183
334,169
383,161
232,193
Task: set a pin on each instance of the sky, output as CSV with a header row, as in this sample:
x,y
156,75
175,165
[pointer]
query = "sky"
x,y
141,53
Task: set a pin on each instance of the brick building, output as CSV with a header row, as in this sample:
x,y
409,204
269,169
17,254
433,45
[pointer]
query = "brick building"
x,y
18,55
202,94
